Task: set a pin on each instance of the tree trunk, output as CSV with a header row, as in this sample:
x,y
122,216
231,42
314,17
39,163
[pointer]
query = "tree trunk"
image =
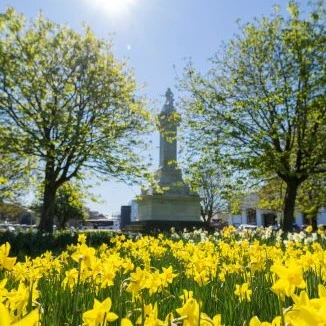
x,y
313,212
47,216
203,213
314,222
48,208
289,204
210,214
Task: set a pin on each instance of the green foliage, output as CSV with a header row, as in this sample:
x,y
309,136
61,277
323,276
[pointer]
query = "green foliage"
x,y
33,244
312,197
15,172
69,103
211,186
69,204
271,195
262,104
14,212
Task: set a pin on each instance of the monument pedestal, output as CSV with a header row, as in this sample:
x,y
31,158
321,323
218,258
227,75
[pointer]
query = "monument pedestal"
x,y
172,203
168,207
157,226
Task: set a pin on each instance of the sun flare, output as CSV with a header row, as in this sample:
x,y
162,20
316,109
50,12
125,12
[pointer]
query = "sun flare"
x,y
112,7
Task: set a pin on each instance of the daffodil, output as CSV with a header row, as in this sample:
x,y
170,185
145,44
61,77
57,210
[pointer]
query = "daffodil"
x,y
186,295
100,314
167,276
309,229
150,314
290,278
126,322
190,311
254,321
5,261
137,281
84,254
32,319
243,292
154,282
19,298
70,278
82,238
107,275
307,311
206,321
3,290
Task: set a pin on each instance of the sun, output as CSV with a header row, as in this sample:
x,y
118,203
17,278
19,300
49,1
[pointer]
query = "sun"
x,y
112,7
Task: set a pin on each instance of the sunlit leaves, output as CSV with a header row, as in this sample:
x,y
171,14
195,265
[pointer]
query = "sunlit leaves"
x,y
262,104
68,102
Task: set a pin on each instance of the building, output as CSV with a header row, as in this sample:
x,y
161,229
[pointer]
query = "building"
x,y
251,214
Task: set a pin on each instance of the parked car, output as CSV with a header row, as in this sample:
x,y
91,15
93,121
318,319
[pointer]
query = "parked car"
x,y
7,227
247,227
218,224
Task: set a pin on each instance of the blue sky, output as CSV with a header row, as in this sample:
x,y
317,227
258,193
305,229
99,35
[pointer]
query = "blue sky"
x,y
155,36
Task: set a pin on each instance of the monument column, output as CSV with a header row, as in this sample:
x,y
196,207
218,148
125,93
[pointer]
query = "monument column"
x,y
168,132
168,173
174,202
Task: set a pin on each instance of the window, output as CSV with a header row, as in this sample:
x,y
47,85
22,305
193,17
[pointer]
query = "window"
x,y
251,216
269,219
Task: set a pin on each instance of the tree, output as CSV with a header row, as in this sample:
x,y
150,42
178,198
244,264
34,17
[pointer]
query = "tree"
x,y
271,195
263,101
69,204
210,184
12,211
15,176
66,101
311,198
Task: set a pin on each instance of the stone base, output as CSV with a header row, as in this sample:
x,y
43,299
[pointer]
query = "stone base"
x,y
157,226
172,208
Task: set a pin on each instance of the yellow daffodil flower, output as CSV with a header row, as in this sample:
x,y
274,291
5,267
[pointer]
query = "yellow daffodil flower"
x,y
84,254
137,281
243,292
5,261
190,311
100,314
82,238
18,299
308,229
307,311
32,319
290,278
3,290
151,314
206,321
186,295
126,322
254,321
167,276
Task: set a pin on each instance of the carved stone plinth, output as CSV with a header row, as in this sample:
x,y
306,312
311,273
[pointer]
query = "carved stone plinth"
x,y
169,208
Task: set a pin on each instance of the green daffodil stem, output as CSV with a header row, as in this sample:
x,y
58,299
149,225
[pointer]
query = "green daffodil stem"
x,y
75,297
281,310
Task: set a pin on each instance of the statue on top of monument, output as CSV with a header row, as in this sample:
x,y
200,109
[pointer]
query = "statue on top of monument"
x,y
169,97
168,105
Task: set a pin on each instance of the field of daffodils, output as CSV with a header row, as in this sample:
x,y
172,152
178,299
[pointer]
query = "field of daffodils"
x,y
231,277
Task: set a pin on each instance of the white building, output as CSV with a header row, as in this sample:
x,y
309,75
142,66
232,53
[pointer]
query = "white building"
x,y
251,214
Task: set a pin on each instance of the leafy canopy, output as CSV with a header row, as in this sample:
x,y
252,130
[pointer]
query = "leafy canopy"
x,y
65,98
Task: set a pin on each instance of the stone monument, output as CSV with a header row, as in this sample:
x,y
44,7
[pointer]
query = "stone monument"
x,y
174,202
